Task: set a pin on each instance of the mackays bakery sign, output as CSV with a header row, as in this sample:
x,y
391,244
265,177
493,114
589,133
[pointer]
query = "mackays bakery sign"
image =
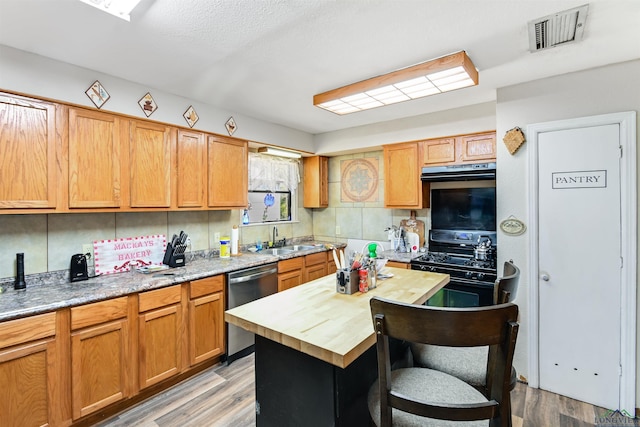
x,y
579,179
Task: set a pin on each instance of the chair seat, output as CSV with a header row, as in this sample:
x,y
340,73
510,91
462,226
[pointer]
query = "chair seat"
x,y
427,385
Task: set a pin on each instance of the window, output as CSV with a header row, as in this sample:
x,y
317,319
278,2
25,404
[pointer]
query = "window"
x,y
273,189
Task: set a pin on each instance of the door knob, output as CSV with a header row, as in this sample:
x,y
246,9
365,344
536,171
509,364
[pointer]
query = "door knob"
x,y
545,277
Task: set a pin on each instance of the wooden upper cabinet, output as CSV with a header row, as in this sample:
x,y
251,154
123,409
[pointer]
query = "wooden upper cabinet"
x,y
402,185
95,158
316,182
438,151
228,172
191,160
28,153
150,165
477,148
474,148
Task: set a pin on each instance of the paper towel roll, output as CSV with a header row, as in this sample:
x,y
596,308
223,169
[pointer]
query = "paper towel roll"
x,y
234,240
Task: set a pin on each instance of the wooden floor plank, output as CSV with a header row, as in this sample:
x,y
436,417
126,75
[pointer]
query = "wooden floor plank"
x,y
224,396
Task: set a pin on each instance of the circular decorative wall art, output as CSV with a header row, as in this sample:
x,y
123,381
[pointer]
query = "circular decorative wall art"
x,y
359,180
513,226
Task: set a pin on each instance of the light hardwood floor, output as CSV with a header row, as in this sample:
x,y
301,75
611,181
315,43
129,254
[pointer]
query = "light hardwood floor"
x,y
225,396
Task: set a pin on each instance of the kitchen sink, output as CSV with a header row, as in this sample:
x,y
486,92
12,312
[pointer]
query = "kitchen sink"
x,y
295,248
280,251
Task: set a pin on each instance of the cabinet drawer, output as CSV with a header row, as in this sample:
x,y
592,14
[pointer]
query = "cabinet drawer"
x,y
28,329
158,298
314,259
206,286
99,312
290,264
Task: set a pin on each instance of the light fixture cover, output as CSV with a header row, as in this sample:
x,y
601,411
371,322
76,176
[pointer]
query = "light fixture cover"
x,y
279,152
438,75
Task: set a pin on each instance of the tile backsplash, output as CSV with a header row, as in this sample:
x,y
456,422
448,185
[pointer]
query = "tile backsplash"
x,y
49,241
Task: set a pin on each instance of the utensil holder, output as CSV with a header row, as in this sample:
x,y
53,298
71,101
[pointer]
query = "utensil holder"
x,y
347,281
173,259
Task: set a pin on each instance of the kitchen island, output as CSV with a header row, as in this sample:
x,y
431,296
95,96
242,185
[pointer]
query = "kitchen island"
x,y
315,354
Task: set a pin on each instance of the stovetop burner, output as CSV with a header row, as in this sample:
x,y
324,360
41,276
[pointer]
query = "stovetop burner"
x,y
454,259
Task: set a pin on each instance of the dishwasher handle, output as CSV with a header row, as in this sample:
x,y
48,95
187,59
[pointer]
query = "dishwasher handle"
x,y
239,278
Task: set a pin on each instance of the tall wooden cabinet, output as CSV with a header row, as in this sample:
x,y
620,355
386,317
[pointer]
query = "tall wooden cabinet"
x,y
101,360
150,165
316,182
403,188
191,164
29,372
228,160
28,153
96,159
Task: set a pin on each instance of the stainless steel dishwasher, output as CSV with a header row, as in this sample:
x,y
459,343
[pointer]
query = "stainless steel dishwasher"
x,y
244,286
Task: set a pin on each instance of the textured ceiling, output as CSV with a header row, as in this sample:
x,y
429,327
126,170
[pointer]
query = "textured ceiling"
x,y
267,58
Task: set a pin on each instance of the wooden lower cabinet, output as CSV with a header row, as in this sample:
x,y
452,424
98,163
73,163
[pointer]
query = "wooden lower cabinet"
x,y
29,372
160,329
100,356
290,273
206,319
315,266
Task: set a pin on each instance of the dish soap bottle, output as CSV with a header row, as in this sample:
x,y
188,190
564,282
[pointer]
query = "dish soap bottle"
x,y
245,217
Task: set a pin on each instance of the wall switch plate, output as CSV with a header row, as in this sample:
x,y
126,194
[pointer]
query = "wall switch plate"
x,y
87,249
216,238
337,229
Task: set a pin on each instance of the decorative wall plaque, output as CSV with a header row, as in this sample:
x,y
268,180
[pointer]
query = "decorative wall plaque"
x,y
231,126
148,104
513,139
191,116
97,94
513,226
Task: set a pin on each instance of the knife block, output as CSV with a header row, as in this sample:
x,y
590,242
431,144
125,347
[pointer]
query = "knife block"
x,y
171,258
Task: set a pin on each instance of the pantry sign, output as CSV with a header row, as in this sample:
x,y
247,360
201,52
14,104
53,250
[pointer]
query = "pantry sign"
x,y
118,255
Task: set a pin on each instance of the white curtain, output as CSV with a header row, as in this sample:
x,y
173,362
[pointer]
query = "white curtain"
x,y
270,173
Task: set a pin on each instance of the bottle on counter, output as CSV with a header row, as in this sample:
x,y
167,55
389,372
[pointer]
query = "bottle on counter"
x,y
363,285
225,249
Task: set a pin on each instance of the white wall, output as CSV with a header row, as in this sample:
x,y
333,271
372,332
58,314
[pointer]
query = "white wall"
x,y
43,77
602,90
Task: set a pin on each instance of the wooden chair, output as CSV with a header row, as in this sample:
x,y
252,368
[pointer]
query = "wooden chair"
x,y
421,396
469,364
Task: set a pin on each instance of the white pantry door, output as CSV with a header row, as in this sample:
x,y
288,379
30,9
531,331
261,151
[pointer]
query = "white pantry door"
x,y
583,250
579,263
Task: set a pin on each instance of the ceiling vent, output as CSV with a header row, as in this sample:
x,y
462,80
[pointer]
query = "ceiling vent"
x,y
557,29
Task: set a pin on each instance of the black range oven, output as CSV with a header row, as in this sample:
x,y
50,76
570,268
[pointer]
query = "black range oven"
x,y
461,218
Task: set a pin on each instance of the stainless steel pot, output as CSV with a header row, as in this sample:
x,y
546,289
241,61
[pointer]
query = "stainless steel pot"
x,y
482,251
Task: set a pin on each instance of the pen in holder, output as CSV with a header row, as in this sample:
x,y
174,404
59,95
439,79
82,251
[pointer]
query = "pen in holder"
x,y
174,256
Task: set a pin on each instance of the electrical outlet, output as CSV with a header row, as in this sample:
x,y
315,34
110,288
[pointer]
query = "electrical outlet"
x,y
337,229
216,237
88,249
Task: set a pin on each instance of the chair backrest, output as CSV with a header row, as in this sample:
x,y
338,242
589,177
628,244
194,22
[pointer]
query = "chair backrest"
x,y
495,326
507,285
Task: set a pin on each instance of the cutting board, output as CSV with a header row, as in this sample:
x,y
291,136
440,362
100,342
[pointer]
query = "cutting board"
x,y
414,225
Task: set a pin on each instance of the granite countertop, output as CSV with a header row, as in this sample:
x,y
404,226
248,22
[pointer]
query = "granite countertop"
x,y
56,292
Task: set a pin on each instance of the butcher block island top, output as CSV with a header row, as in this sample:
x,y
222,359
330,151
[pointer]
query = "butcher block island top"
x,y
336,328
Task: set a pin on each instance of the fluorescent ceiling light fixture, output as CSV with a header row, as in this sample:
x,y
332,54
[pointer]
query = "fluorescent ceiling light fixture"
x,y
279,152
119,8
438,75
